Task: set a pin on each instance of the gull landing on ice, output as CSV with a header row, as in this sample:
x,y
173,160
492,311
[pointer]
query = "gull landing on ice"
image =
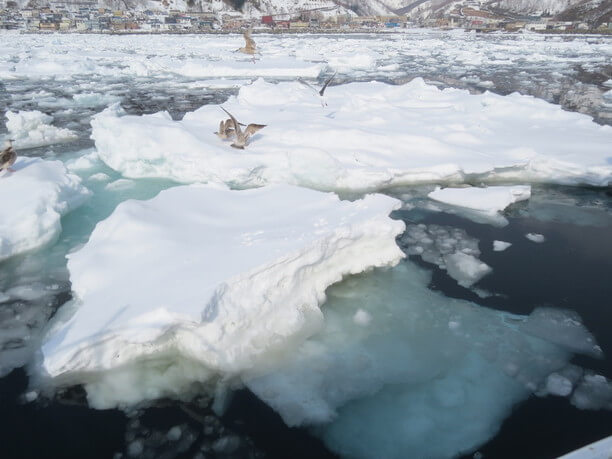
x,y
8,157
242,137
321,91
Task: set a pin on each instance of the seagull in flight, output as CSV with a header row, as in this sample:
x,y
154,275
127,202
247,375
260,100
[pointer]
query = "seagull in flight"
x,y
242,137
321,91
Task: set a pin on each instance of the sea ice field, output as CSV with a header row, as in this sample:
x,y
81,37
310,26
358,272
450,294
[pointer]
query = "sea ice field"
x,y
414,264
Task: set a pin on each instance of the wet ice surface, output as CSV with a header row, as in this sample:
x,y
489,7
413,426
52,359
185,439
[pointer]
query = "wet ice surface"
x,y
71,78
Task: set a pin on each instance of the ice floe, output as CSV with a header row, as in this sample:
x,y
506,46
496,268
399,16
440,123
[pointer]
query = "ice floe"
x,y
33,129
427,364
35,197
208,281
370,136
487,202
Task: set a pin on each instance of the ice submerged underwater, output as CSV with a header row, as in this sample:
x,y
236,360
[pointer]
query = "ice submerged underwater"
x,y
254,273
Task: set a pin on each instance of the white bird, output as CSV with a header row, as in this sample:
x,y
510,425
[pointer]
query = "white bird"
x,y
242,137
321,91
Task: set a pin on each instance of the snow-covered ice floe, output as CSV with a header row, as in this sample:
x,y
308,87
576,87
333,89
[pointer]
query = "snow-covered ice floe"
x,y
202,281
369,136
34,198
34,129
485,202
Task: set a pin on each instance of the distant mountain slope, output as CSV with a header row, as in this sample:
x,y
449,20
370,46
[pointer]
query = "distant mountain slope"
x,y
592,11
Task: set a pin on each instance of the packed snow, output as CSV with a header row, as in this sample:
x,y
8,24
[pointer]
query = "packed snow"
x,y
226,280
369,136
34,129
35,196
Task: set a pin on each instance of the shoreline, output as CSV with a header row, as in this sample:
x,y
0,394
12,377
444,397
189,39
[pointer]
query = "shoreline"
x,y
606,32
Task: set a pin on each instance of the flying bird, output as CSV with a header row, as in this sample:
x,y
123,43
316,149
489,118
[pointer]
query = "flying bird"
x,y
242,137
8,157
249,46
321,91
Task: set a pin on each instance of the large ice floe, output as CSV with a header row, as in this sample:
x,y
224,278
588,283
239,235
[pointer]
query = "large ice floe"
x,y
368,136
203,281
34,198
421,365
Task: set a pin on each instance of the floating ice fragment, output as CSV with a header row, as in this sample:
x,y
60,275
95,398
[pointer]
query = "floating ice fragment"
x,y
449,248
33,129
535,237
465,269
37,194
174,433
557,384
594,392
362,317
500,246
487,201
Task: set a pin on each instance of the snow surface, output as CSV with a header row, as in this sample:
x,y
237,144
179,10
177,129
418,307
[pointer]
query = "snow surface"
x,y
35,197
370,136
33,129
224,280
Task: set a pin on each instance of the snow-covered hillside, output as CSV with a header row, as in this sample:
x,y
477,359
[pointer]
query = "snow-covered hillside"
x,y
417,9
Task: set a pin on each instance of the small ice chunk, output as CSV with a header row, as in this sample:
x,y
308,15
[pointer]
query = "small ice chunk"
x,y
99,177
500,246
135,448
30,396
465,269
120,184
535,237
594,392
362,317
557,384
174,433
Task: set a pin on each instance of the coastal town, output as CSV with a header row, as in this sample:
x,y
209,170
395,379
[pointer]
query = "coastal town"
x,y
87,17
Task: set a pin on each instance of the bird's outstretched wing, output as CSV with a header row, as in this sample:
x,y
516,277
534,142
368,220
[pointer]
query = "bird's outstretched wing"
x,y
305,83
234,122
253,128
322,91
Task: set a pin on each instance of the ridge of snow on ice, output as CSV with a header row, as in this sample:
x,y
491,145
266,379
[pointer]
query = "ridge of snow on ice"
x,y
370,135
34,198
227,279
